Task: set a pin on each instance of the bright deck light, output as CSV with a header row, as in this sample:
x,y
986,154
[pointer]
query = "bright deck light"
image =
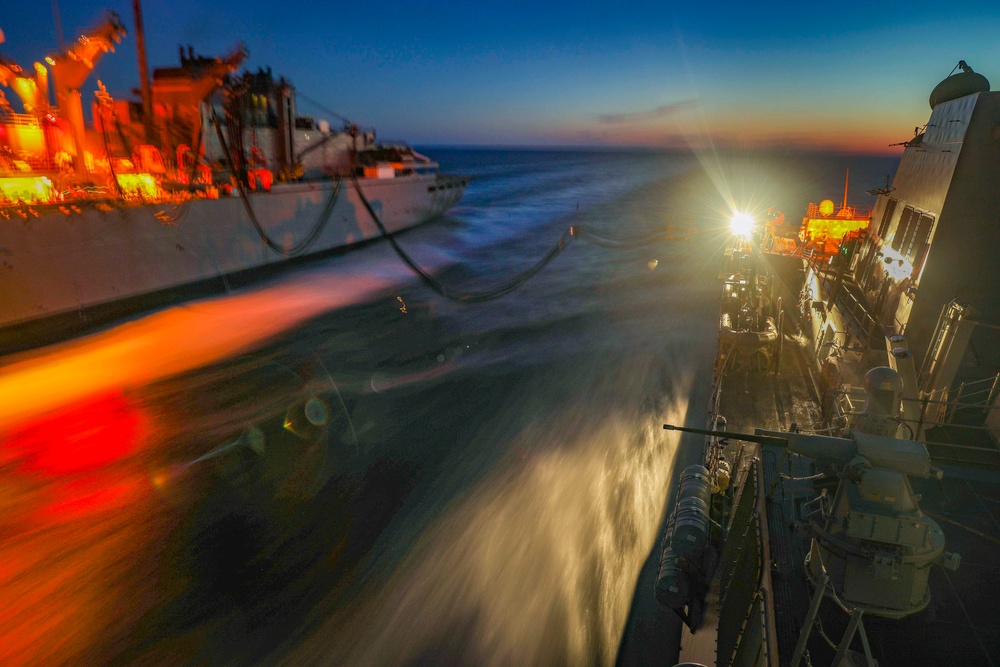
x,y
26,189
741,224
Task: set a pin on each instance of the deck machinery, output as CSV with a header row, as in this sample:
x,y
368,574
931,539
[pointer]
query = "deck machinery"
x,y
871,548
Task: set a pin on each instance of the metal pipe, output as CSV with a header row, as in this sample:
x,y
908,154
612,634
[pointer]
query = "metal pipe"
x,y
759,439
993,391
852,627
146,92
923,414
869,659
57,17
951,415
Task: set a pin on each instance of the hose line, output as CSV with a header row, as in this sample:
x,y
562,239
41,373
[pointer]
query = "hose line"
x,y
302,245
588,234
460,296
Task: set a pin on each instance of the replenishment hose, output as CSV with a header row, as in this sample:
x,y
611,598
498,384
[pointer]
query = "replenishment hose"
x,y
301,246
460,296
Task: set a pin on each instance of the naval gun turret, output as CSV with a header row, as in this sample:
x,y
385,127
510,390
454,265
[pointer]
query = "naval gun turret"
x,y
868,536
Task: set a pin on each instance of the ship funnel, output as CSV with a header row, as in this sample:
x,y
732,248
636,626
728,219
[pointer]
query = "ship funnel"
x,y
959,85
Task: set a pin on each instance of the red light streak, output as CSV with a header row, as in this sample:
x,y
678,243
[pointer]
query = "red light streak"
x,y
78,438
88,497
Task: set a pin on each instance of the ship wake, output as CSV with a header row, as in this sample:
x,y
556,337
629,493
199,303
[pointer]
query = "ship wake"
x,y
536,564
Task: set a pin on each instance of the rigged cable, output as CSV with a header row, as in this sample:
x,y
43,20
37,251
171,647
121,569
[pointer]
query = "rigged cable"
x,y
307,241
459,295
576,231
323,108
598,239
111,164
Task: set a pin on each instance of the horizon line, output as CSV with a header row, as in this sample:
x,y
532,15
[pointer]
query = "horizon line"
x,y
634,148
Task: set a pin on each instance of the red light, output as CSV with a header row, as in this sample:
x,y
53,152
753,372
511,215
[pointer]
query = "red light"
x,y
78,438
85,497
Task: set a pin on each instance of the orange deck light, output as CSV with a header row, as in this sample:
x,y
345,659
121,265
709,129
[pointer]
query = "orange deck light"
x,y
27,189
143,185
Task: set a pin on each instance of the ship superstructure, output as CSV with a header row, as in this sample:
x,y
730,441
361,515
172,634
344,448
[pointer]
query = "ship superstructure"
x,y
844,500
914,289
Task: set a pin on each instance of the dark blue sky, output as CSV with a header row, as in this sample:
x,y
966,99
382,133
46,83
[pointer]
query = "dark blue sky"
x,y
546,73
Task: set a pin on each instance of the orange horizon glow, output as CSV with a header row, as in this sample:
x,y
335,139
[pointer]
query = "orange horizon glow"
x,y
746,128
862,142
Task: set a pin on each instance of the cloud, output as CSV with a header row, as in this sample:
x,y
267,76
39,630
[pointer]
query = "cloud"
x,y
658,112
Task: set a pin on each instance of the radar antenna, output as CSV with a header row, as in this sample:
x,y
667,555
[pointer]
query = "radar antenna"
x,y
882,191
962,65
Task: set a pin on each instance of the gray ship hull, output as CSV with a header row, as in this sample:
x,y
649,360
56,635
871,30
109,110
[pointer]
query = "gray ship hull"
x,y
54,263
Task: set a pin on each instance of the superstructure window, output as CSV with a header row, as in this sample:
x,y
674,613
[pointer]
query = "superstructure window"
x,y
921,243
912,236
883,225
909,217
917,236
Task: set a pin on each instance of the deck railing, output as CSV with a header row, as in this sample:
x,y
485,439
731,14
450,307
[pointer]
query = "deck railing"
x,y
841,291
745,637
19,119
954,424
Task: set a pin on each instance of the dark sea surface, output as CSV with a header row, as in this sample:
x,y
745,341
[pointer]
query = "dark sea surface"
x,y
338,466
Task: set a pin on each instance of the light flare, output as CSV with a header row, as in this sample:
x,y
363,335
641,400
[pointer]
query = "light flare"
x,y
742,224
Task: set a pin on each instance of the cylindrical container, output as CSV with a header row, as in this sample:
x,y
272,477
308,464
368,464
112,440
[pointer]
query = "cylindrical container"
x,y
691,523
695,482
672,588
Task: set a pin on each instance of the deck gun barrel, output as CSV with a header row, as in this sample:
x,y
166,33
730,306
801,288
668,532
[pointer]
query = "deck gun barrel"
x,y
759,439
906,456
820,447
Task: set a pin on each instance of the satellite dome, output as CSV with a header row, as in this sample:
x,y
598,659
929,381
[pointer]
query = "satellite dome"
x,y
959,85
883,390
826,207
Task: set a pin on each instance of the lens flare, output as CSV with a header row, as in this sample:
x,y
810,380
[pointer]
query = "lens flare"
x,y
741,224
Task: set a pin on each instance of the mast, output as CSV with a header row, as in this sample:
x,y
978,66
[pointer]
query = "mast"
x,y
147,96
58,21
847,175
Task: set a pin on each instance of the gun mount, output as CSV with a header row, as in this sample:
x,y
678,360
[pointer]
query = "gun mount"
x,y
869,535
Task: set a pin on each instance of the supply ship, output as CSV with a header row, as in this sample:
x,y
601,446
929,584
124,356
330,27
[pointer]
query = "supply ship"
x,y
845,509
214,174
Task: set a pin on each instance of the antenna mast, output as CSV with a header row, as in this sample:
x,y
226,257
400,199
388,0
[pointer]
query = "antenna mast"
x,y
140,47
58,21
847,176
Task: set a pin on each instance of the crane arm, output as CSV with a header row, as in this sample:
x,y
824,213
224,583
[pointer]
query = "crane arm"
x,y
72,66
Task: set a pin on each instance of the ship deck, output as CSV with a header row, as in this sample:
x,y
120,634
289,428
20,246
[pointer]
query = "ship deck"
x,y
962,623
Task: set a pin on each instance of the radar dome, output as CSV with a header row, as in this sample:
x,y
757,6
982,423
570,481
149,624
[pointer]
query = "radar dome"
x,y
883,391
826,207
959,85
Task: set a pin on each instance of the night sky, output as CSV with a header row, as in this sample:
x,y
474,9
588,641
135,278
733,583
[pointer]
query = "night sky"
x,y
660,73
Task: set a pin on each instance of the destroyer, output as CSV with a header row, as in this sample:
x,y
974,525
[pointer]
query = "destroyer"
x,y
844,509
212,175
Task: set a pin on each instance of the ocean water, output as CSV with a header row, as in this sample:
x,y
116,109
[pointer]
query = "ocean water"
x,y
338,466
